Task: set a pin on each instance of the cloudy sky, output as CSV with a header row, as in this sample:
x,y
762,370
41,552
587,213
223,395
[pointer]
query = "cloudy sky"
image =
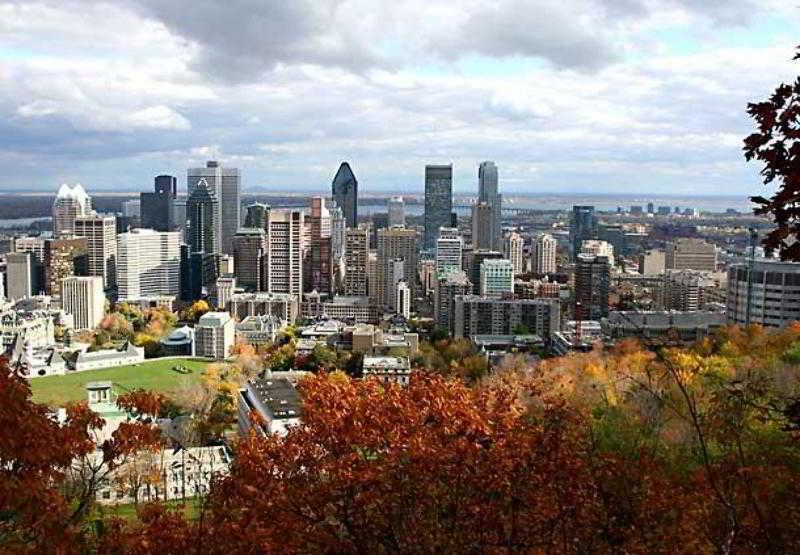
x,y
565,95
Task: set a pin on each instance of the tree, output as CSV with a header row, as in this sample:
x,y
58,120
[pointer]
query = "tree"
x,y
196,310
776,144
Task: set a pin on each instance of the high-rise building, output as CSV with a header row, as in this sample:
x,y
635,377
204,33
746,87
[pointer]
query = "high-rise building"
x,y
199,272
82,296
225,185
496,278
282,268
583,226
687,290
35,246
598,248
650,208
132,209
70,203
372,278
356,253
214,335
449,247
690,254
773,294
64,258
249,246
652,262
202,209
256,215
148,264
427,275
512,249
438,202
318,265
345,193
158,207
449,285
101,244
592,281
338,225
475,315
482,218
544,254
403,299
395,273
393,243
397,212
22,273
472,265
488,193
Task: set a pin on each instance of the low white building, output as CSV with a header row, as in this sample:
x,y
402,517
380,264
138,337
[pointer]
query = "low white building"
x,y
215,334
387,368
109,358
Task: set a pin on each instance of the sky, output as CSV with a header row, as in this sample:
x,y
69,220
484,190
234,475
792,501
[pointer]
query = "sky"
x,y
611,96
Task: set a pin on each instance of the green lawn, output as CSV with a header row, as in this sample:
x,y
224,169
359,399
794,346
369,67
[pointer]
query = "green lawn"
x,y
156,375
190,509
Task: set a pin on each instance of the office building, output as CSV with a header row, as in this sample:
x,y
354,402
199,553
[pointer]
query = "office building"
x,y
690,254
70,203
282,266
583,226
225,185
427,275
774,298
598,248
148,264
356,253
132,209
652,262
101,245
249,245
449,248
472,265
476,315
592,281
662,327
496,278
438,202
203,214
338,226
281,305
397,212
256,215
394,243
64,258
687,290
395,273
340,307
512,249
488,193
214,335
83,298
198,273
482,221
33,245
158,207
449,285
345,193
544,254
402,298
23,273
318,265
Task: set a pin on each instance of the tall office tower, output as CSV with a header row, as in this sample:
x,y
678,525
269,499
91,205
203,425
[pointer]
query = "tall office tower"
x,y
101,243
650,208
772,294
397,212
356,253
438,202
690,254
199,272
256,215
225,184
2,287
449,247
70,203
33,245
583,225
148,264
544,254
202,209
158,207
64,258
403,300
345,193
512,249
83,298
372,276
338,225
598,248
22,273
592,280
318,264
395,242
249,246
449,285
180,218
497,278
395,273
282,269
488,192
472,265
482,226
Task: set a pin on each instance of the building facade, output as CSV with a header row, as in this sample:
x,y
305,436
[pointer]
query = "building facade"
x,y
583,226
249,245
592,282
344,188
512,249
394,243
225,185
488,193
396,212
690,254
148,264
214,335
774,298
438,202
83,298
449,249
101,245
496,278
70,203
282,268
356,252
477,315
157,208
544,254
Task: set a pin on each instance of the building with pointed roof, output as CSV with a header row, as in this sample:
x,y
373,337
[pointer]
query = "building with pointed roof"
x,y
345,193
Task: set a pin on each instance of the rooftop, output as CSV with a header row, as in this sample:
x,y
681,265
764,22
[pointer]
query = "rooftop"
x,y
278,395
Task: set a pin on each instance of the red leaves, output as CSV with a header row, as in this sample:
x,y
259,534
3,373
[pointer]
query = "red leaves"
x,y
141,403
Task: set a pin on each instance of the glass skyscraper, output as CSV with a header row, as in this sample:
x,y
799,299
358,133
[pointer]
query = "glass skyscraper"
x,y
225,185
202,209
157,210
582,227
345,193
488,193
438,202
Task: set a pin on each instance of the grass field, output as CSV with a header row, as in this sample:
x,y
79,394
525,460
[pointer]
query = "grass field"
x,y
190,510
156,375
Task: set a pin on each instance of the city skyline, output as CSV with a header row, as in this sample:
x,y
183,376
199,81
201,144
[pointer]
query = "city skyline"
x,y
634,94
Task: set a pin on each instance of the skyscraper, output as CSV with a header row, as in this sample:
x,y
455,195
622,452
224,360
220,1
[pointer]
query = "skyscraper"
x,y
83,298
202,209
690,254
249,245
64,258
318,264
438,202
345,193
158,207
397,212
338,225
449,285
282,268
496,278
225,184
394,243
148,264
583,225
22,272
592,280
256,215
449,247
482,222
544,254
403,299
488,192
512,249
70,203
356,253
101,244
